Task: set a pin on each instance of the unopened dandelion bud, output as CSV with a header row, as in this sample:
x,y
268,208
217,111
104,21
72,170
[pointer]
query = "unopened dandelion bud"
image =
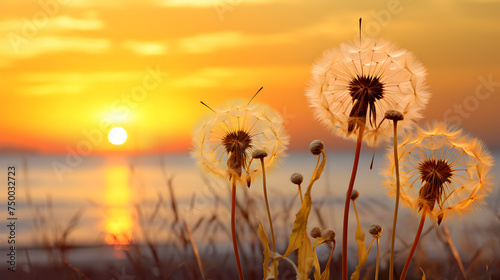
x,y
316,147
328,234
297,178
375,230
394,115
440,218
354,195
316,232
259,154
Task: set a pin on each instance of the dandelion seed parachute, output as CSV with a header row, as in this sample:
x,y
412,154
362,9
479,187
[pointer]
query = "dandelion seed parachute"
x,y
428,155
356,84
224,143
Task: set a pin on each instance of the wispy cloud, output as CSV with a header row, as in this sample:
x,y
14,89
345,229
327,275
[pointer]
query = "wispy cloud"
x,y
36,83
43,45
145,48
237,76
206,3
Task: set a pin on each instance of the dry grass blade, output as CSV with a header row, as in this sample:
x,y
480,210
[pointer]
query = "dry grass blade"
x,y
172,198
157,208
195,250
454,251
74,268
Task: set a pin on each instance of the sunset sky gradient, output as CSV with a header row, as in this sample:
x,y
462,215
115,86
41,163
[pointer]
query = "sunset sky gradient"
x,y
71,70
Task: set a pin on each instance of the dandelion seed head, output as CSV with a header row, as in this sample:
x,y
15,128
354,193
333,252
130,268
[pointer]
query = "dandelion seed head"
x,y
353,86
226,142
442,170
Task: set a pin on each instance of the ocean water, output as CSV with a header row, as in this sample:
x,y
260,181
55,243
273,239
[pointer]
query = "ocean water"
x,y
115,197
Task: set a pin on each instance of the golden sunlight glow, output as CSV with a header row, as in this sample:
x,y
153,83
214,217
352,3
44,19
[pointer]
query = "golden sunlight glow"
x,y
117,135
118,222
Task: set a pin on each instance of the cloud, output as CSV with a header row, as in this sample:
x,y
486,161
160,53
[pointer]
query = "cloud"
x,y
15,46
145,48
224,77
210,42
36,83
209,3
52,24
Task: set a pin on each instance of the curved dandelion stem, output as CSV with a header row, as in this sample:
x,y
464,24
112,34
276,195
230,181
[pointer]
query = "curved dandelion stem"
x,y
377,265
415,242
396,208
233,230
348,200
269,214
300,193
331,255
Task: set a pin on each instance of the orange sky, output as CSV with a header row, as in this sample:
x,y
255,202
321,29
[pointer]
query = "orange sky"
x,y
72,69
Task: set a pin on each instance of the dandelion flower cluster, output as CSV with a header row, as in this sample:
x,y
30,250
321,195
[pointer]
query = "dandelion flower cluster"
x,y
353,86
223,145
442,170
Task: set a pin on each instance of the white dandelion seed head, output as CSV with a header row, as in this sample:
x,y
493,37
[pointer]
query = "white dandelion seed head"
x,y
396,77
265,131
467,158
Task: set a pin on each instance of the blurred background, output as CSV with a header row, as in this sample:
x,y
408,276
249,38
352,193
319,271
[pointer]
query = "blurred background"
x,y
72,70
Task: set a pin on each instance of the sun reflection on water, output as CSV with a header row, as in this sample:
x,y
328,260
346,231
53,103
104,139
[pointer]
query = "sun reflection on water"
x,y
118,222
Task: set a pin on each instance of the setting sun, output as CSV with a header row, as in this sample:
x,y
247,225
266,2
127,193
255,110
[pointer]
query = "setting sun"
x,y
117,135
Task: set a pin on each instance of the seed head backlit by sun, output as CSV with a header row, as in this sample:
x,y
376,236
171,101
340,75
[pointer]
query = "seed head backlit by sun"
x,y
117,135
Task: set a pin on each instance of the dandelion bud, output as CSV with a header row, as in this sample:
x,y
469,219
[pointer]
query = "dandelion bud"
x,y
354,194
316,147
394,115
316,232
375,230
296,178
328,234
259,154
440,218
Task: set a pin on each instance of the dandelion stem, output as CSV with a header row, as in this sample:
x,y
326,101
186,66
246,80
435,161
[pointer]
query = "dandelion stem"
x,y
331,255
233,230
396,208
347,202
300,193
377,265
269,214
415,242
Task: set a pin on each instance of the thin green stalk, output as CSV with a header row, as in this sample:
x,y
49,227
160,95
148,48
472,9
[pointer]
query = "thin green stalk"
x,y
347,202
396,208
233,230
415,242
269,215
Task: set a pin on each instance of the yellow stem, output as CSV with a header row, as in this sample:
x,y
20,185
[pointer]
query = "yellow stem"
x,y
300,192
377,265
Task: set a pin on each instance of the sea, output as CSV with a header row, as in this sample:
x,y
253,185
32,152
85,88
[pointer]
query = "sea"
x,y
97,201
